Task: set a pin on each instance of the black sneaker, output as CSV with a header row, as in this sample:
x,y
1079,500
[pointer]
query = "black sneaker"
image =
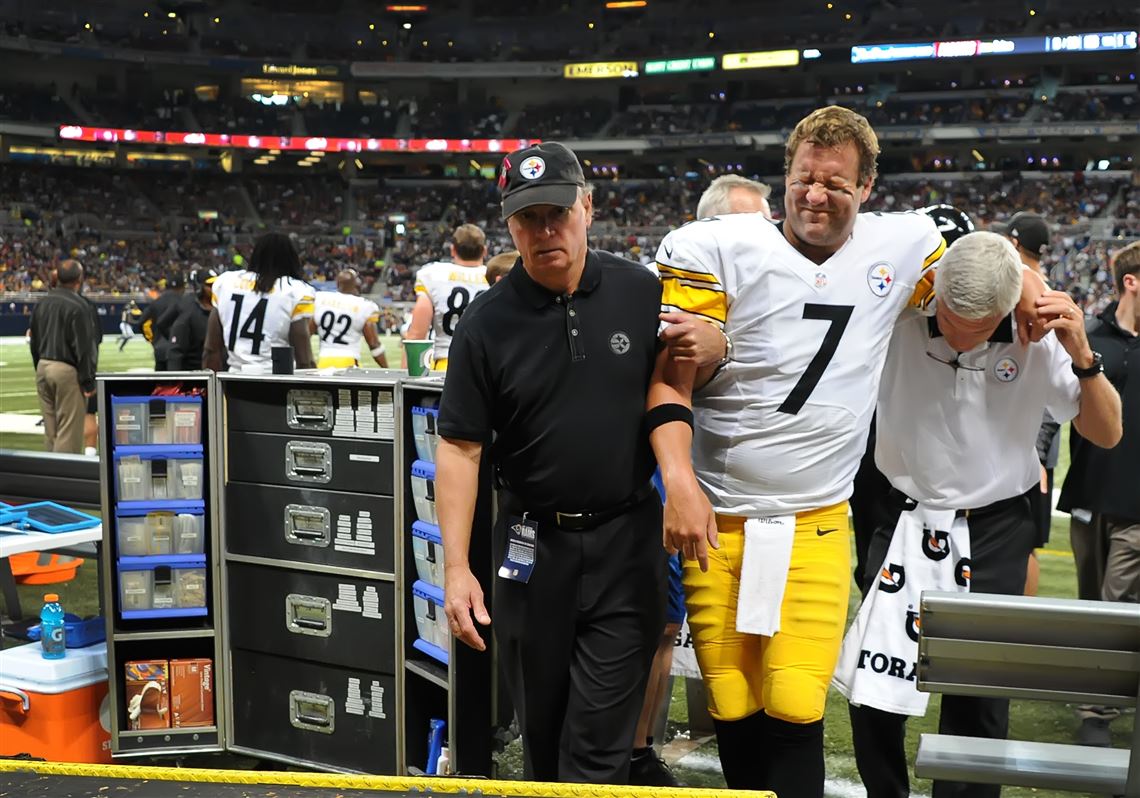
x,y
1094,732
650,770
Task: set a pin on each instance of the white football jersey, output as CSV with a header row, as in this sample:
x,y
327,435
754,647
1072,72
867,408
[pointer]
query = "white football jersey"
x,y
782,427
340,320
450,289
252,322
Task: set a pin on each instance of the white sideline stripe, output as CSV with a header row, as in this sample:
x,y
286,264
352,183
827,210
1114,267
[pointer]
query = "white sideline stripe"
x,y
22,423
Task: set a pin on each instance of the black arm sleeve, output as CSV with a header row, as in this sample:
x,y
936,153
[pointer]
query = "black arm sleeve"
x,y
465,408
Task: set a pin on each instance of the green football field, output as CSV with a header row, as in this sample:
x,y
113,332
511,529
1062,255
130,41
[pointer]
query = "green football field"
x,y
18,378
1030,720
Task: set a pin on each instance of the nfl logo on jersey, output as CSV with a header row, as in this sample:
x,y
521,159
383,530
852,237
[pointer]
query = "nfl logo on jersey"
x,y
881,279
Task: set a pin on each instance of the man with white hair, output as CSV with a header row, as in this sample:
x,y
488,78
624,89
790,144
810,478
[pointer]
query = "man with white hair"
x,y
959,403
734,194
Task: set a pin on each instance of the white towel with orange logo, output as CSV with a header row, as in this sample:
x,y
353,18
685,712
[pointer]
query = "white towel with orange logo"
x,y
930,550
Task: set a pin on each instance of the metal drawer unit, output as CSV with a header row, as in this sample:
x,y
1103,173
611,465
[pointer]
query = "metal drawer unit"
x,y
313,670
147,536
461,691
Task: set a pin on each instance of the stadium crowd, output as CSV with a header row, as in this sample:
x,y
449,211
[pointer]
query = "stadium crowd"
x,y
120,225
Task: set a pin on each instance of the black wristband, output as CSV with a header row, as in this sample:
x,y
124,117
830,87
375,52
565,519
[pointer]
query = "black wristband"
x,y
665,414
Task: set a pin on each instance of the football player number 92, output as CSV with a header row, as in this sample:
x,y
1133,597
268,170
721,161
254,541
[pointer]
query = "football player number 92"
x,y
838,316
328,326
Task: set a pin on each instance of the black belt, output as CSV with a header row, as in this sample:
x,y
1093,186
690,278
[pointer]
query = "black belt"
x,y
577,522
904,502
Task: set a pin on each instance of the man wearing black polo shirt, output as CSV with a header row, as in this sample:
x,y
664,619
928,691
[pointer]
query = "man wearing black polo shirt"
x,y
555,361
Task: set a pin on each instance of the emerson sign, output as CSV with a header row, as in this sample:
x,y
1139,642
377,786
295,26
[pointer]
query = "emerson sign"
x,y
602,69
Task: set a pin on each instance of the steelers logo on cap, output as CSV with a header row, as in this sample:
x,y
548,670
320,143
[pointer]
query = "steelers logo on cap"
x,y
532,168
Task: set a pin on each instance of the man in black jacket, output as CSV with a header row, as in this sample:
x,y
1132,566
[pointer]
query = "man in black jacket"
x,y
65,353
1100,490
188,332
155,321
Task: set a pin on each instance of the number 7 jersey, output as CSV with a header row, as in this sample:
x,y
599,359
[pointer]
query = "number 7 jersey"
x,y
450,288
252,322
782,427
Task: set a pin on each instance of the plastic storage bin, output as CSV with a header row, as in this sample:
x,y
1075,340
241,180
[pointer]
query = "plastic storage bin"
x,y
178,530
162,587
162,420
427,548
423,491
50,708
159,473
424,421
431,620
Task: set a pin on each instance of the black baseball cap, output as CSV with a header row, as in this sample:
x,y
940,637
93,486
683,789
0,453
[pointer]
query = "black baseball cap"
x,y
545,174
1029,230
175,280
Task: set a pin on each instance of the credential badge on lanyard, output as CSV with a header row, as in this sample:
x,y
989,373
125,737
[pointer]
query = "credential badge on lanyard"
x,y
518,562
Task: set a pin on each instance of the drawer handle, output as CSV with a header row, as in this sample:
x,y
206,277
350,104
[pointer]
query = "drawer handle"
x,y
309,410
312,712
307,525
308,615
308,462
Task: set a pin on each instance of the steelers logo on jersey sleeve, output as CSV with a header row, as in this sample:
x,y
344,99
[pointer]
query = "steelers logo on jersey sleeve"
x,y
881,278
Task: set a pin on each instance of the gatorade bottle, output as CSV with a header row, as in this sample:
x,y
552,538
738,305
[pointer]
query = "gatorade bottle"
x,y
52,632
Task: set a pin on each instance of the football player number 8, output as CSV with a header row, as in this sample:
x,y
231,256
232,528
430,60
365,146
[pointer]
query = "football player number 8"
x,y
457,302
838,316
253,325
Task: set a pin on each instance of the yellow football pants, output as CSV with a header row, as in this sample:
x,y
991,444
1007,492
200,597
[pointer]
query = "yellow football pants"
x,y
336,362
787,675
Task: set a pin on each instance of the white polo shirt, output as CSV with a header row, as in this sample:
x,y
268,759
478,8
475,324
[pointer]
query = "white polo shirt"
x,y
961,438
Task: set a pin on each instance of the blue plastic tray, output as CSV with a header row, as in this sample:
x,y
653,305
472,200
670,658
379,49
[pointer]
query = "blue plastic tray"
x,y
47,517
432,650
79,633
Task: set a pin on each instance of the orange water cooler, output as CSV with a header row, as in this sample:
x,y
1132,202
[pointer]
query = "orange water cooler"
x,y
55,709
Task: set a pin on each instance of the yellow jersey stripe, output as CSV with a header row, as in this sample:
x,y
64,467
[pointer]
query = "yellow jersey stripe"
x,y
708,302
686,274
934,256
373,319
303,308
923,293
421,289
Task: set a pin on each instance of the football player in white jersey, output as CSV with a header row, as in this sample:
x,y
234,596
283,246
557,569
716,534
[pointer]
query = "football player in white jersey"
x,y
779,428
444,290
775,433
341,319
256,309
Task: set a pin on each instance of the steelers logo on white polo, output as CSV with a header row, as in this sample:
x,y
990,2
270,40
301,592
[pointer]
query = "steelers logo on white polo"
x,y
1006,369
619,343
532,168
881,278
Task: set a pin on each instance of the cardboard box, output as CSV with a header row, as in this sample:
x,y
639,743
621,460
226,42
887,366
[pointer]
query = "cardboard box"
x,y
191,693
147,694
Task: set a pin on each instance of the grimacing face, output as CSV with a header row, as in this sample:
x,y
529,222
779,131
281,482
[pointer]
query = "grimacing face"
x,y
551,238
823,194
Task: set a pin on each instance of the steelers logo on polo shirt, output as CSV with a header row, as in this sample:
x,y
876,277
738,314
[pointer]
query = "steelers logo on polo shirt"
x,y
1006,369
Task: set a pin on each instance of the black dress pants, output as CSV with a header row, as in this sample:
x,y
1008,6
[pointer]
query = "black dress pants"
x,y
576,643
1000,543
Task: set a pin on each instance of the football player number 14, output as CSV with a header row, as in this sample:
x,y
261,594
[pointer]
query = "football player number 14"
x,y
837,316
251,327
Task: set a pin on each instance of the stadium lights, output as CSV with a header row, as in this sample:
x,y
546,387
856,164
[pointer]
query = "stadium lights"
x,y
590,25
627,4
146,15
217,20
407,9
407,26
359,164
87,26
371,26
172,15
